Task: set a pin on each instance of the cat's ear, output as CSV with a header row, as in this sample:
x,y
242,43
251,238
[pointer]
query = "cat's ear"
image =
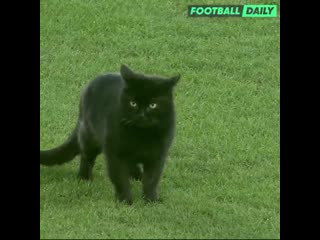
x,y
174,80
126,73
171,82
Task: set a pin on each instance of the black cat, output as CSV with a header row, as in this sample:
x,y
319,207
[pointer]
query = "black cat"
x,y
129,117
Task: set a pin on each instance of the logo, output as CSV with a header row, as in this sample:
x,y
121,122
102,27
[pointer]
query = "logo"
x,y
232,11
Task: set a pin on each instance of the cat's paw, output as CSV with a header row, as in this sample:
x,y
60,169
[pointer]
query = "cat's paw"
x,y
85,177
126,201
152,198
125,198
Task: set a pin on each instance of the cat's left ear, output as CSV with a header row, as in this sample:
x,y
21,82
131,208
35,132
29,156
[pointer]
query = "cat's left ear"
x,y
173,81
126,73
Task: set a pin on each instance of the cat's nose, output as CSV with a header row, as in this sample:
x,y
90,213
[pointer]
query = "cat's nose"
x,y
141,114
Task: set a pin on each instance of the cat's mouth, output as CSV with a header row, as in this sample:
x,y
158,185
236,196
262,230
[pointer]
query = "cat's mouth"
x,y
140,123
143,124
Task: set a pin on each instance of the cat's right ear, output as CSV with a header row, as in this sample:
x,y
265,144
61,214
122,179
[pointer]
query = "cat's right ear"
x,y
174,80
126,73
171,82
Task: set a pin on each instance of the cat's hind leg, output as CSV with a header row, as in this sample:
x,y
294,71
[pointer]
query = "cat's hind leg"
x,y
87,161
89,152
136,172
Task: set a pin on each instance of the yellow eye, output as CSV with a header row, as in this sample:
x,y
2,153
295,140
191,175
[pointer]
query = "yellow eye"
x,y
133,104
153,105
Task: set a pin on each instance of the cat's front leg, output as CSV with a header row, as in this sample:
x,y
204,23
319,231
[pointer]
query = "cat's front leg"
x,y
120,177
151,179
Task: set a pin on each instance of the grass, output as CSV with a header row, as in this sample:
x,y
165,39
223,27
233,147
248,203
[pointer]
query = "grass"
x,y
222,179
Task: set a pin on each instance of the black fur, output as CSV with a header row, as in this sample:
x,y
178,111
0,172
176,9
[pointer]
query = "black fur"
x,y
118,117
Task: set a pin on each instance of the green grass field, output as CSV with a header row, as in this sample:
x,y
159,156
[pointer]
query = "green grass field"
x,y
222,179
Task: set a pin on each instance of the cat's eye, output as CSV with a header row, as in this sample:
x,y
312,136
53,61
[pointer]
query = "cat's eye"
x,y
133,104
152,105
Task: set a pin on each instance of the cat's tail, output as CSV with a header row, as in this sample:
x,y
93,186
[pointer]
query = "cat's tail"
x,y
63,153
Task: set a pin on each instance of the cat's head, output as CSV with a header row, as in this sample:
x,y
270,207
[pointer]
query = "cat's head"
x,y
147,101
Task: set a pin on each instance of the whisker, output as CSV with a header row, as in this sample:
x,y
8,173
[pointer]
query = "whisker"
x,y
126,122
